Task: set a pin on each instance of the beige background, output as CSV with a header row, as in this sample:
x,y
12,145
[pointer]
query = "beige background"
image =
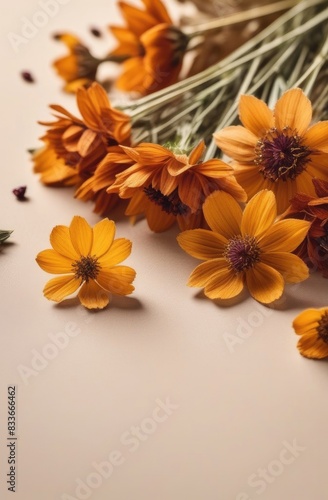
x,y
247,415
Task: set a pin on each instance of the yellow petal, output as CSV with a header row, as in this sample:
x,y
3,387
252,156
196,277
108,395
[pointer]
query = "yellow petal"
x,y
117,280
223,214
52,262
103,236
237,142
284,236
255,115
119,251
59,288
61,242
292,268
92,296
312,347
202,244
293,110
259,214
307,321
81,235
264,283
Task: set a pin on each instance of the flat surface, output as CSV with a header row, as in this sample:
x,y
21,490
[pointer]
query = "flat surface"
x,y
164,395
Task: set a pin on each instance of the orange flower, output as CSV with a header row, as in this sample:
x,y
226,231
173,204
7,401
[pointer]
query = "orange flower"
x,y
277,150
79,68
166,186
245,248
83,143
154,46
312,325
87,257
53,170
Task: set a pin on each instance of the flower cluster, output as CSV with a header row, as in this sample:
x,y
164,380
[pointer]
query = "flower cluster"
x,y
250,200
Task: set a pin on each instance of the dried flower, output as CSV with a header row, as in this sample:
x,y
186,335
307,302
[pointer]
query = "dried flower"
x,y
20,193
245,248
88,258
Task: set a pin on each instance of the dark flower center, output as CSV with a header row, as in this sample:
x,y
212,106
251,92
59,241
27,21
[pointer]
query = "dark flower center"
x,y
242,253
281,155
171,204
87,268
322,327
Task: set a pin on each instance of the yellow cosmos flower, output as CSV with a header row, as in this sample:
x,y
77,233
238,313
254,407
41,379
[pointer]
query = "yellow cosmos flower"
x,y
312,325
88,258
245,248
277,150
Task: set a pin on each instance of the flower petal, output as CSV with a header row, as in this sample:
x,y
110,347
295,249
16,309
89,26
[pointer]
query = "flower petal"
x,y
103,236
52,262
81,235
58,288
197,153
119,251
61,242
202,244
312,347
259,214
223,214
224,285
316,136
117,280
92,296
255,115
293,110
237,142
264,283
292,268
307,321
284,235
206,270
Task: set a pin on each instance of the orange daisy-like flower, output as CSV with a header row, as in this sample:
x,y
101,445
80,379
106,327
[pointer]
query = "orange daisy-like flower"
x,y
88,258
155,48
277,150
245,248
312,325
166,186
79,67
83,143
53,170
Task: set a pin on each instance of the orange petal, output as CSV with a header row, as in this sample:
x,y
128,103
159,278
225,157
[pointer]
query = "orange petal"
x,y
224,285
61,242
223,214
293,110
92,296
81,235
202,244
158,220
312,347
237,142
58,288
255,115
264,283
119,250
206,270
197,153
284,235
316,136
103,236
52,262
259,214
292,268
117,280
307,321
